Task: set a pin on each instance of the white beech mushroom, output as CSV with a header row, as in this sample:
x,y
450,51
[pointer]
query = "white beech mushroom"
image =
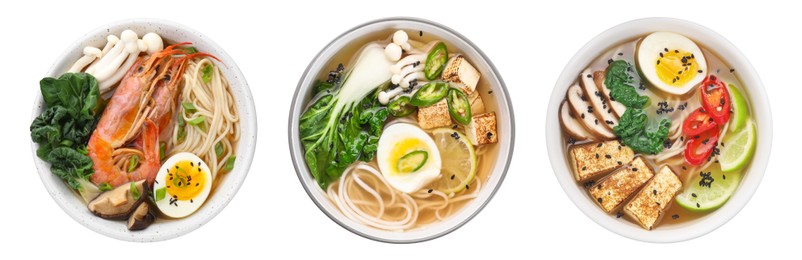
x,y
109,65
90,54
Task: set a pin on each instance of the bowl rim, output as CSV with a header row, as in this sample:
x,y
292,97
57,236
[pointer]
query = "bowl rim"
x,y
747,76
242,169
301,169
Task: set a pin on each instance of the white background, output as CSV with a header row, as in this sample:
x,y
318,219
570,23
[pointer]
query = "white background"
x,y
272,217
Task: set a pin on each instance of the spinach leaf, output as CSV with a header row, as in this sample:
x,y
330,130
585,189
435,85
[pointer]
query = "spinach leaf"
x,y
634,130
63,129
618,79
332,140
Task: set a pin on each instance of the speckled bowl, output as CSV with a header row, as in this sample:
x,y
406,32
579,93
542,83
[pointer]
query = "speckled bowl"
x,y
162,229
379,29
761,113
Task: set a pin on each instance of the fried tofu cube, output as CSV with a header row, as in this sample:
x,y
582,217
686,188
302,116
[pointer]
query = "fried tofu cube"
x,y
648,206
477,105
434,116
461,74
482,129
592,160
613,190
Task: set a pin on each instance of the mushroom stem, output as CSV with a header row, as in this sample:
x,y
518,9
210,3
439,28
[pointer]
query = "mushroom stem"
x,y
419,75
385,96
90,54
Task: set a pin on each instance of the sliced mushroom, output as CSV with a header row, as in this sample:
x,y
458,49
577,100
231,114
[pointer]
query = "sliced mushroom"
x,y
141,218
573,127
581,107
119,202
597,99
618,108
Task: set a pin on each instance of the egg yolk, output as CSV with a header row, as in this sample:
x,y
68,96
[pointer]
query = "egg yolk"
x,y
402,148
676,67
185,180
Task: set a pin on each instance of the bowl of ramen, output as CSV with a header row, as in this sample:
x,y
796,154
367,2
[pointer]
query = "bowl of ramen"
x,y
143,130
401,130
659,130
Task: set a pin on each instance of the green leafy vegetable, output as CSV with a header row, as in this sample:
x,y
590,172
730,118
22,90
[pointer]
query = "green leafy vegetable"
x,y
634,130
160,194
207,73
161,151
335,140
63,129
618,79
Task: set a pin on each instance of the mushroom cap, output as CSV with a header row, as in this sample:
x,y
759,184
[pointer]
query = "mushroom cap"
x,y
154,42
393,51
400,37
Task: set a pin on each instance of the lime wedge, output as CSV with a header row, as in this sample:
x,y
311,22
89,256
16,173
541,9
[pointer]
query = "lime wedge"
x,y
708,190
739,109
458,160
737,148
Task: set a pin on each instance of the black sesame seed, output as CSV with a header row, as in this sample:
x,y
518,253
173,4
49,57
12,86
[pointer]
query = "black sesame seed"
x,y
610,61
620,54
597,156
599,145
732,70
430,190
584,168
675,216
599,200
634,169
697,205
654,192
452,176
608,156
620,163
693,195
420,33
619,215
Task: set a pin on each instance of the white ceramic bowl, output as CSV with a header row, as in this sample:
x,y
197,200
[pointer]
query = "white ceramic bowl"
x,y
754,90
162,229
368,31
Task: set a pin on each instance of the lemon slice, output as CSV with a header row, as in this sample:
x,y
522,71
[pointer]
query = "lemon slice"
x,y
458,160
737,148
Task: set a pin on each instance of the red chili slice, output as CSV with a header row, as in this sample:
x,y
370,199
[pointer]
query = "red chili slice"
x,y
699,147
697,122
716,99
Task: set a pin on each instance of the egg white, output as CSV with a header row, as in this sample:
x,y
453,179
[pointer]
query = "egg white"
x,y
649,50
182,208
410,182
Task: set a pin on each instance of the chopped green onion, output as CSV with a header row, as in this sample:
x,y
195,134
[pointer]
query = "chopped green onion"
x,y
161,151
190,50
105,186
160,193
230,164
197,120
181,121
207,73
133,162
218,149
135,191
189,107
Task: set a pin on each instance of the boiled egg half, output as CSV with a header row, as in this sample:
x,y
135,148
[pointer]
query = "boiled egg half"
x,y
671,62
182,185
408,157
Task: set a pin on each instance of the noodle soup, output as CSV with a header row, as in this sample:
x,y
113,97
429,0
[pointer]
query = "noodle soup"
x,y
658,131
435,129
160,130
